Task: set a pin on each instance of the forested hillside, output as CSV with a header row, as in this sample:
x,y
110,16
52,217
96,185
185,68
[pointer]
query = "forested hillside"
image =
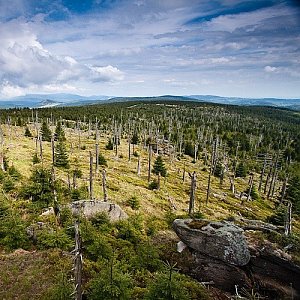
x,y
157,160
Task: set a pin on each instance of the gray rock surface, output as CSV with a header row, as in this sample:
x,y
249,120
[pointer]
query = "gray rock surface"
x,y
89,208
220,240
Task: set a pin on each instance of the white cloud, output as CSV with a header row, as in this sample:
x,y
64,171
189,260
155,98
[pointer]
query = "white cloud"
x,y
248,20
108,73
270,69
25,63
8,90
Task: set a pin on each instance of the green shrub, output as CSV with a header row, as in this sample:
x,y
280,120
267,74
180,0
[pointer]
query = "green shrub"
x,y
79,193
102,160
153,225
61,290
101,221
170,216
27,132
109,145
153,185
35,159
241,170
14,173
2,175
134,203
99,248
49,238
8,185
166,288
111,283
279,216
12,229
147,257
159,167
175,286
130,229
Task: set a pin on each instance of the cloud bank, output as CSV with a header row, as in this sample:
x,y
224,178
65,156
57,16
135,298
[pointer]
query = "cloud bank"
x,y
143,47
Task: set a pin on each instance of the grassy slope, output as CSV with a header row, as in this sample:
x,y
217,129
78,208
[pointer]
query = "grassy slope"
x,y
123,183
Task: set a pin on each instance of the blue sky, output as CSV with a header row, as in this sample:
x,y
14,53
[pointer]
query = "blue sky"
x,y
144,48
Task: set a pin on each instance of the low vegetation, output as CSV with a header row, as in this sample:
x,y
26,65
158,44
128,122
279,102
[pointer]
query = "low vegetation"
x,y
246,161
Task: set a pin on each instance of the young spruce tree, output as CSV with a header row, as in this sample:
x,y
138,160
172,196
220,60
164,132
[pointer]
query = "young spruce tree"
x,y
159,167
61,156
46,132
59,133
27,132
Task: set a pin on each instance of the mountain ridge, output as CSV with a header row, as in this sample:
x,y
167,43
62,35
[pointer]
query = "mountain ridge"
x,y
64,99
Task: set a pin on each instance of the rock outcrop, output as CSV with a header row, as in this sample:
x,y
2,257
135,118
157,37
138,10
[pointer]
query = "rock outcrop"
x,y
89,208
269,271
220,240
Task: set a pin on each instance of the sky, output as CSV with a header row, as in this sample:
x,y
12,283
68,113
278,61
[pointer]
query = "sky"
x,y
150,47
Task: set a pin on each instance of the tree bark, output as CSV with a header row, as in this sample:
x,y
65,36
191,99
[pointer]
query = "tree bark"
x,y
104,185
192,193
250,187
149,162
288,220
78,263
91,176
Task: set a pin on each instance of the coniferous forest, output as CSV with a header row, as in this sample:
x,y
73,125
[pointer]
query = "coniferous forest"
x,y
157,161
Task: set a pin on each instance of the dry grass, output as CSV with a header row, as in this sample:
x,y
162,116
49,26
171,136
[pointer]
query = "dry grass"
x,y
28,275
123,181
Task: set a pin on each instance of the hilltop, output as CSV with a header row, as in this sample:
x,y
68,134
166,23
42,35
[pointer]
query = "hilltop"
x,y
222,144
63,99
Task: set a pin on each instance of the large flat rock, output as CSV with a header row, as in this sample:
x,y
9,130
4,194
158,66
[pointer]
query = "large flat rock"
x,y
89,208
220,240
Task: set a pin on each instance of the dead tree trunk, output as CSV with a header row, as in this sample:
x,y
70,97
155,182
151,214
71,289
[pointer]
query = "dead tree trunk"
x,y
104,185
53,151
97,158
139,166
79,135
91,176
274,185
232,188
196,151
284,187
250,187
69,181
211,170
1,150
262,173
288,220
273,177
97,149
268,178
78,263
232,179
158,181
74,180
116,138
183,173
208,188
192,193
149,162
41,149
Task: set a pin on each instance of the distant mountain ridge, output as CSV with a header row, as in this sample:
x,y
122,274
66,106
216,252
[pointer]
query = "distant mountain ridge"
x,y
278,102
63,99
